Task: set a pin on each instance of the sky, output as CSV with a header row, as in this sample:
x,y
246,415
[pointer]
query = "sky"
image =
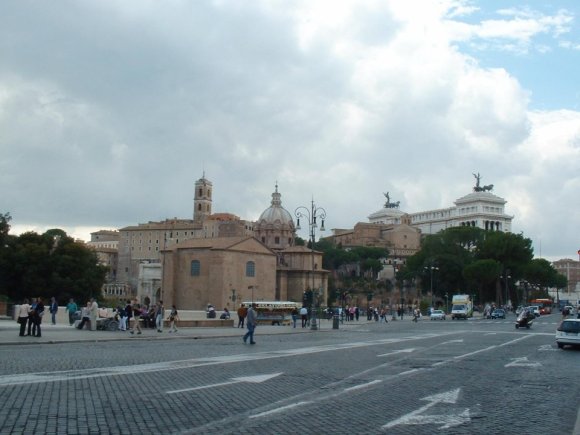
x,y
111,110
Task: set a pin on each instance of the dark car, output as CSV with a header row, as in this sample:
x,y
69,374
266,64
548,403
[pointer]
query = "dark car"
x,y
498,314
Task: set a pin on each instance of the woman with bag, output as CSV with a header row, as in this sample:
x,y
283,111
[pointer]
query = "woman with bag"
x,y
23,316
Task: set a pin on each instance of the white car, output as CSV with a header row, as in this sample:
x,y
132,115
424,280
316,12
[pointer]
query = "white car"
x,y
568,333
535,309
437,315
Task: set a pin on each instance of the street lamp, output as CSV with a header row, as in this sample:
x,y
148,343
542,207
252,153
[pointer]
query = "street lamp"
x,y
431,269
505,277
311,215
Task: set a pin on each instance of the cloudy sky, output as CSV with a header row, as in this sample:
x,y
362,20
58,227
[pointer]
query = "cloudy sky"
x,y
110,110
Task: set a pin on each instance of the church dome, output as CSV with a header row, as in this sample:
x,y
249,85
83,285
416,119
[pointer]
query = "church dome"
x,y
276,215
275,227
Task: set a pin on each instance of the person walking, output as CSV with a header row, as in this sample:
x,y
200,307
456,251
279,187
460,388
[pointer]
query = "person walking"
x,y
159,311
53,309
71,309
251,321
304,316
23,316
85,316
137,318
242,312
173,319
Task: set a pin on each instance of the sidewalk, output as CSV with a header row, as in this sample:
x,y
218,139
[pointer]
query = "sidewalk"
x,y
63,333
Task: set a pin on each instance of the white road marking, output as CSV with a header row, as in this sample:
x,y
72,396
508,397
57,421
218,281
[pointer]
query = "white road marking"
x,y
277,410
256,379
522,362
447,421
395,352
358,387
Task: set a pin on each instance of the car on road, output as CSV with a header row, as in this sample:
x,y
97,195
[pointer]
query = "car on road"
x,y
498,314
437,315
535,309
568,333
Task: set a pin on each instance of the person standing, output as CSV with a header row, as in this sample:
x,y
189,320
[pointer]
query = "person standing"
x,y
71,308
38,314
94,314
128,315
173,319
251,321
31,313
159,316
242,312
53,309
23,316
294,316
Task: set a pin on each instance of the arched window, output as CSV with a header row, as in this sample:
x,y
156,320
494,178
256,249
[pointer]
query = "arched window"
x,y
250,268
195,268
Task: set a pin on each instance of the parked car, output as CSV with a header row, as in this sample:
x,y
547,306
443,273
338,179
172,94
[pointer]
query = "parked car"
x,y
437,315
568,333
498,314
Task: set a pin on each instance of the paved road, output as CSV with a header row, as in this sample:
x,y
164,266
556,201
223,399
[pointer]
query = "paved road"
x,y
460,377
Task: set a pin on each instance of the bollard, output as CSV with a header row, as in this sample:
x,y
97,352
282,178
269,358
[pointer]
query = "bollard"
x,y
335,321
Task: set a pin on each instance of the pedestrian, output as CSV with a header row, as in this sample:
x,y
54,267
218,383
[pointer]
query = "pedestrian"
x,y
128,315
173,319
37,320
53,309
85,316
137,316
294,316
23,316
94,314
71,308
251,321
31,313
304,316
242,312
159,313
122,317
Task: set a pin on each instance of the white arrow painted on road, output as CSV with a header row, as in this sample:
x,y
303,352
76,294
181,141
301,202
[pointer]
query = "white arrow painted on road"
x,y
446,421
522,362
545,347
256,379
395,352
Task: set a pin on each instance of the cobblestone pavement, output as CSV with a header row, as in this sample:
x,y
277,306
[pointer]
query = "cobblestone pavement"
x,y
452,377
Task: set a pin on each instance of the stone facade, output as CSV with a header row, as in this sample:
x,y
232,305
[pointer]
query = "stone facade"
x,y
198,272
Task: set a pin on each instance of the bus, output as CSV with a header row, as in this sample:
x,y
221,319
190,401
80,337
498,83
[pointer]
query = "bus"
x,y
274,312
545,305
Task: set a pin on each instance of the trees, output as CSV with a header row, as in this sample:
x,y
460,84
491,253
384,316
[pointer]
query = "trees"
x,y
469,259
49,264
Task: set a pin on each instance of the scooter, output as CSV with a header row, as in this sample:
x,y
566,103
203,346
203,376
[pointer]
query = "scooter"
x,y
525,319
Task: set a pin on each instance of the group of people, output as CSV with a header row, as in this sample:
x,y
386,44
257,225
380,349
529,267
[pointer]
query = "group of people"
x,y
152,317
30,315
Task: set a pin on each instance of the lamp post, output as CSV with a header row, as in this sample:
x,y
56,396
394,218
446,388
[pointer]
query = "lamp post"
x,y
431,269
505,277
311,215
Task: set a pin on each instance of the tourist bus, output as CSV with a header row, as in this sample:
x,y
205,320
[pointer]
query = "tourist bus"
x,y
545,305
274,312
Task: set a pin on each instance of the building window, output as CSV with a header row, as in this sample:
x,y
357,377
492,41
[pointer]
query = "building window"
x,y
250,268
277,240
195,268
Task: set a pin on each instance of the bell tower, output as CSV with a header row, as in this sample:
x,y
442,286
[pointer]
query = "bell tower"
x,y
202,199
